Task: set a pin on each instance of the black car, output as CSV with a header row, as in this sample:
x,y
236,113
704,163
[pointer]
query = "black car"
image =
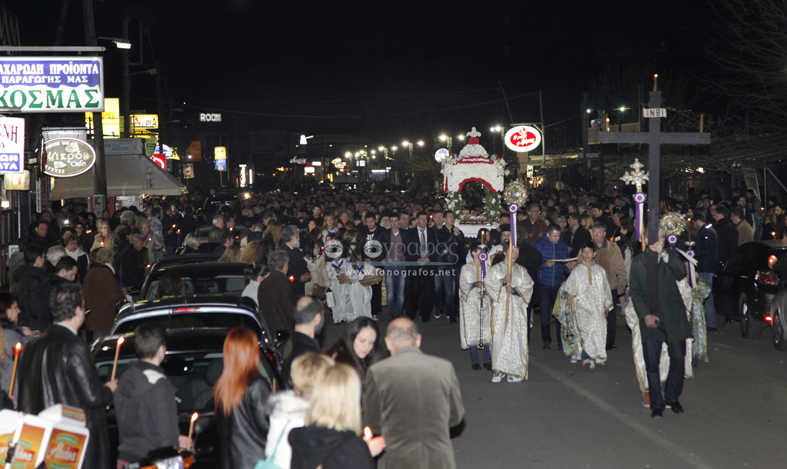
x,y
200,278
194,362
745,287
184,259
215,202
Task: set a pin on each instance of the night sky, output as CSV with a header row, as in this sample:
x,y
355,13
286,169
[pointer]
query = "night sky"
x,y
381,70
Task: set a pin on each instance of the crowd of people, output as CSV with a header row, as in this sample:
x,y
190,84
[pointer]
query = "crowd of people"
x,y
342,256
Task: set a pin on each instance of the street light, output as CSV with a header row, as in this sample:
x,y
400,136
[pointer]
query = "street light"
x,y
348,154
420,143
461,137
120,43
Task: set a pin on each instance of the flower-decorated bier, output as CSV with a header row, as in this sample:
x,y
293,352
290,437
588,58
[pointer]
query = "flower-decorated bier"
x,y
474,164
57,437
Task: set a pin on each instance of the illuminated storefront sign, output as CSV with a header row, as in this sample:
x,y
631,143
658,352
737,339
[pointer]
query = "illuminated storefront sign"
x,y
52,84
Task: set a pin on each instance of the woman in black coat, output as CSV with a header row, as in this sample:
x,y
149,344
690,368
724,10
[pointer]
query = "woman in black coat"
x,y
331,437
240,395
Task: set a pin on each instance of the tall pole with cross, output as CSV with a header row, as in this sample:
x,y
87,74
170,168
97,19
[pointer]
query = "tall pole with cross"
x,y
654,138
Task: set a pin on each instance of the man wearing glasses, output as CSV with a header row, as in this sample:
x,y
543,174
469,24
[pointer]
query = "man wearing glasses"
x,y
533,225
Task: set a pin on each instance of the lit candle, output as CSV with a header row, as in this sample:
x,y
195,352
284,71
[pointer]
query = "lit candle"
x,y
688,228
117,354
367,433
194,418
17,352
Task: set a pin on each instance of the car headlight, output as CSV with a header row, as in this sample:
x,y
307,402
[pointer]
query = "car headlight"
x,y
170,463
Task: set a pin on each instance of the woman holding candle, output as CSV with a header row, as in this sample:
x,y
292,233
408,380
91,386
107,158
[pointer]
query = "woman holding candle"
x,y
103,238
332,435
9,313
240,395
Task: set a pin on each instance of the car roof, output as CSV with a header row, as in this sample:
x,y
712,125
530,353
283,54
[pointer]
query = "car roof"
x,y
769,244
221,301
186,259
201,268
178,341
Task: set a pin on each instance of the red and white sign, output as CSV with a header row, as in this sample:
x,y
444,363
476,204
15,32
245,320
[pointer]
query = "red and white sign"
x,y
523,138
160,159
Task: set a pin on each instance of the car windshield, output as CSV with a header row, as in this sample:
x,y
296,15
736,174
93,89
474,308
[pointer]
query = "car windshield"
x,y
194,320
224,284
193,374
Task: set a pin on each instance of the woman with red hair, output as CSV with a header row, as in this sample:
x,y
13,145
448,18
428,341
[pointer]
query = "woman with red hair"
x,y
240,395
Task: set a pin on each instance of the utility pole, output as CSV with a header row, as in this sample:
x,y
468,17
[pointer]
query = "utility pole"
x,y
543,130
100,168
127,85
585,124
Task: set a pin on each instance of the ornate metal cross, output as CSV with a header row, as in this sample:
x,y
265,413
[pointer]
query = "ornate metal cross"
x,y
636,177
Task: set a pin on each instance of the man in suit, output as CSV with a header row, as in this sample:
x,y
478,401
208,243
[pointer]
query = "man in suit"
x,y
420,251
57,369
415,424
276,293
291,244
745,231
576,235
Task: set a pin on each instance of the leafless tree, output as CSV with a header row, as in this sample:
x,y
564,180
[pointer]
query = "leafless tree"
x,y
752,57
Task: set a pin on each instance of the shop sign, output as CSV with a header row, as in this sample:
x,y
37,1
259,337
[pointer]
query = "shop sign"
x,y
523,138
12,145
160,160
68,157
52,84
204,117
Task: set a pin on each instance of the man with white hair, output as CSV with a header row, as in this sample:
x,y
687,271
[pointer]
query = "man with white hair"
x,y
214,236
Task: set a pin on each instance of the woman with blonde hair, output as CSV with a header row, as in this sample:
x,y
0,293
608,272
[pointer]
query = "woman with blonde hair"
x,y
331,437
240,395
190,244
287,409
273,232
256,252
103,238
231,254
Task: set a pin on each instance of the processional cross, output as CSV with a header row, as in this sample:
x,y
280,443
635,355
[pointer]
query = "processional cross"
x,y
654,138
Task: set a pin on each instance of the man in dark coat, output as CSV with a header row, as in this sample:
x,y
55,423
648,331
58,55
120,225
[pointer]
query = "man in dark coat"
x,y
275,294
420,245
132,264
65,271
668,324
308,319
291,244
373,252
575,236
707,258
41,235
412,400
726,233
26,280
57,369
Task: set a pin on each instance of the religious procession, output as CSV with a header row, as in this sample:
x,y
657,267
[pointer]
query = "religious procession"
x,y
260,259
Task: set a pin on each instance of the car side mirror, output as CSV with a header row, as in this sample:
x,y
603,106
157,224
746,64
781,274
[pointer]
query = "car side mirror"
x,y
282,336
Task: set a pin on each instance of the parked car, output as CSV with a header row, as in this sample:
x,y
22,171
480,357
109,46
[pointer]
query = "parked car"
x,y
199,278
194,362
745,287
209,312
215,202
184,259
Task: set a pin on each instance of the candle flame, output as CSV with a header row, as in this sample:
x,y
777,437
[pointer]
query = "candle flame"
x,y
18,346
121,340
194,416
655,75
367,433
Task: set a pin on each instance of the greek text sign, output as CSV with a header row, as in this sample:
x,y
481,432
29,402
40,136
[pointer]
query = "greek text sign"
x,y
52,84
67,157
12,145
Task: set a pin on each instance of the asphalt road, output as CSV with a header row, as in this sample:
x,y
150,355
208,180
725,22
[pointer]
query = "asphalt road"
x,y
564,416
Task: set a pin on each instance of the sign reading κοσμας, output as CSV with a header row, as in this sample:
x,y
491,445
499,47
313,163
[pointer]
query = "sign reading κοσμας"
x,y
67,157
52,84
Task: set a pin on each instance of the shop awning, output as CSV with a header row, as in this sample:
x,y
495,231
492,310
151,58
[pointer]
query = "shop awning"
x,y
126,175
